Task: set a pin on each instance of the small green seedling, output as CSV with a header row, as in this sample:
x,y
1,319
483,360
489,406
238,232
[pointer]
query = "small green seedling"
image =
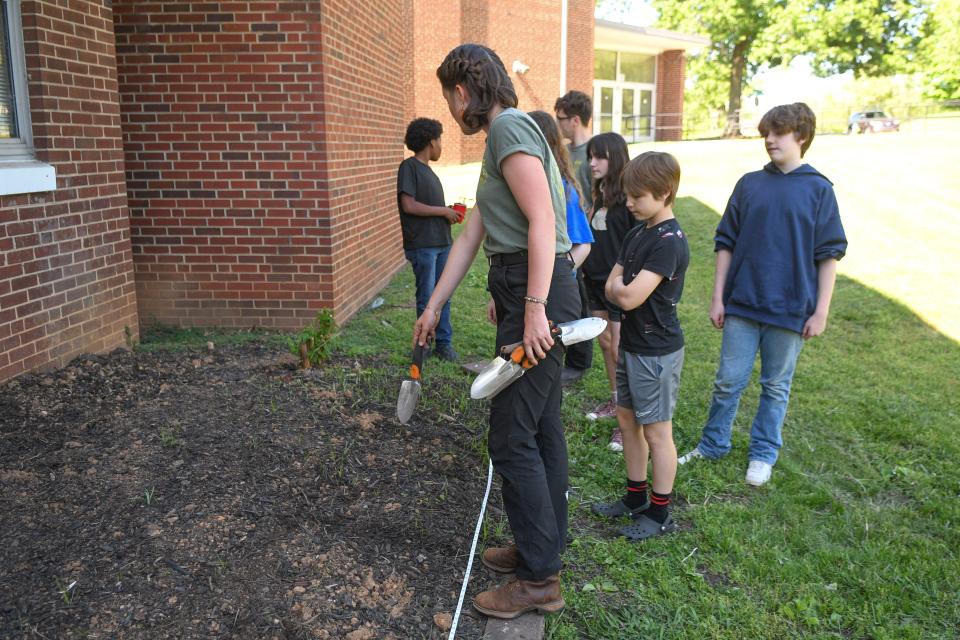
x,y
168,434
66,591
312,344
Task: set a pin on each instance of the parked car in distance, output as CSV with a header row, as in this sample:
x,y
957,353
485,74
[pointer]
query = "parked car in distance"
x,y
871,122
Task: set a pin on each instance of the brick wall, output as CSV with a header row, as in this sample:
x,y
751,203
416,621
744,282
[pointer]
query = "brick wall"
x,y
671,69
580,32
436,29
261,143
363,122
528,31
475,27
409,66
66,276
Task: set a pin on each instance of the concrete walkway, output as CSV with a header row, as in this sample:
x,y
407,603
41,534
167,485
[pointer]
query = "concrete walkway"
x,y
529,626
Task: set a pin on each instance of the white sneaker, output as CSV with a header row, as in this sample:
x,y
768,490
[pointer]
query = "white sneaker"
x,y
689,457
616,440
758,473
606,410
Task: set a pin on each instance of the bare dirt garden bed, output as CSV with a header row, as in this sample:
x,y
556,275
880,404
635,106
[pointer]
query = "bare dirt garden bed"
x,y
225,494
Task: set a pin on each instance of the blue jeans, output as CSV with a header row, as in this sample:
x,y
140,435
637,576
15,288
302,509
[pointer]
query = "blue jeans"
x,y
427,266
779,349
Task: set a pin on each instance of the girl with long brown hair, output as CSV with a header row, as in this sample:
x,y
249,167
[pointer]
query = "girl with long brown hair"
x,y
610,222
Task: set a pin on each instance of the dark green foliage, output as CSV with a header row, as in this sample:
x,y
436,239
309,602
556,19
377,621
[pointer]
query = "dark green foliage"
x,y
869,37
312,344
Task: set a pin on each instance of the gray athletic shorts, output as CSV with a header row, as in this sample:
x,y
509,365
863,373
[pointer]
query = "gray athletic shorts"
x,y
648,385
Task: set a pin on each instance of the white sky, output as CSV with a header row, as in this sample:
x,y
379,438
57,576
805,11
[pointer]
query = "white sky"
x,y
796,83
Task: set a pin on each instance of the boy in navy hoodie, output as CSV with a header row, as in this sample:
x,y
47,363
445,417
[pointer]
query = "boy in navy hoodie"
x,y
777,248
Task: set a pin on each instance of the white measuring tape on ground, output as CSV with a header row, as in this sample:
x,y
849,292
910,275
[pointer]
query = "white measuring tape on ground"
x,y
473,550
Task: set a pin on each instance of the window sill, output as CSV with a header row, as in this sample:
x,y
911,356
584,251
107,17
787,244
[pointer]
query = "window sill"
x,y
26,176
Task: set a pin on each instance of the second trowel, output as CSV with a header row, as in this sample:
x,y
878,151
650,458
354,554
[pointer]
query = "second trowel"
x,y
410,388
512,361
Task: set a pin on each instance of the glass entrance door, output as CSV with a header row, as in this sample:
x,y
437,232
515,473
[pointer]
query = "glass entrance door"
x,y
625,108
636,114
603,98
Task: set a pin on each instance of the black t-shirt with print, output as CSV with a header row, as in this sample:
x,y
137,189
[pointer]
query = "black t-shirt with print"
x,y
610,227
419,181
653,328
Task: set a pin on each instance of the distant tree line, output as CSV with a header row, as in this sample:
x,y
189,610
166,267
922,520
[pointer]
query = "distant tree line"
x,y
872,38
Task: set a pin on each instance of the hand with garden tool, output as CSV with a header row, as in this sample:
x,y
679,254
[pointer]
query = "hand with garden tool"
x,y
423,332
425,328
512,362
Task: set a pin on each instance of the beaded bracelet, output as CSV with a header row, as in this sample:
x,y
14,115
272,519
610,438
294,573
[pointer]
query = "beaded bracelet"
x,y
535,299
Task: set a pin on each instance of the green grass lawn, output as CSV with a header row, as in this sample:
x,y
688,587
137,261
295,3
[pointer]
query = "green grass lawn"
x,y
899,196
856,535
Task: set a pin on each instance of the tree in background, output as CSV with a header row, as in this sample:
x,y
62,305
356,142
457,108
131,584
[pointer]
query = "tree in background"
x,y
869,37
941,51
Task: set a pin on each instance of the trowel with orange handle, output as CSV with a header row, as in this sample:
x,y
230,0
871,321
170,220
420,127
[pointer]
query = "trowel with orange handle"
x,y
410,388
513,362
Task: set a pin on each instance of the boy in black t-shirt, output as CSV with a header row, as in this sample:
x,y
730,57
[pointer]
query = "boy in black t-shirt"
x,y
646,284
425,222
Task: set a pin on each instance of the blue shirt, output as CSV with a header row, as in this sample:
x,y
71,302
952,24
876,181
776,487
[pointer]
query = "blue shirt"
x,y
577,226
778,226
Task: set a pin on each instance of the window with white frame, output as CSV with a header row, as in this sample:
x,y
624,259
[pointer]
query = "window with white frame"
x,y
20,172
15,138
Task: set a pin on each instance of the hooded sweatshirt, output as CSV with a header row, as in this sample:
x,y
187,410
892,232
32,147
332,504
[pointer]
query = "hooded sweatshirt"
x,y
778,226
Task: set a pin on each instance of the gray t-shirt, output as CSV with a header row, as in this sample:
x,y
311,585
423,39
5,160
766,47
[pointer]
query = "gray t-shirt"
x,y
581,169
511,132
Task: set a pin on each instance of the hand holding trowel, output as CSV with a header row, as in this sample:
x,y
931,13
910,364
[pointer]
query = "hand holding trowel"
x,y
410,388
513,362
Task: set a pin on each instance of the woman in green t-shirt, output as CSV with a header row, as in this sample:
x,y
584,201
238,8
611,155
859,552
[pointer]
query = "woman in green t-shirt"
x,y
520,219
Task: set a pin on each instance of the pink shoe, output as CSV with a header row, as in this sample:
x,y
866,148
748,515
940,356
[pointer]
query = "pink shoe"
x,y
616,440
605,410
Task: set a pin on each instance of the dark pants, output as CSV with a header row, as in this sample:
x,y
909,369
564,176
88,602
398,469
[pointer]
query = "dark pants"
x,y
580,355
526,441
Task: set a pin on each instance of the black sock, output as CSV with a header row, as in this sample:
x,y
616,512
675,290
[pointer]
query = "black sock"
x,y
659,507
636,495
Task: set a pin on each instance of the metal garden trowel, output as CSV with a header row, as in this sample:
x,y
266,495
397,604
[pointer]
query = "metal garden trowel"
x,y
410,389
512,361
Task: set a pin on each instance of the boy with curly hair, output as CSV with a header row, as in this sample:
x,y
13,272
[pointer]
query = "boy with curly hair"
x,y
425,222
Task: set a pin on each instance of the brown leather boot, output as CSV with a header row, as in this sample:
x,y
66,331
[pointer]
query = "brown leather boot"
x,y
501,559
520,596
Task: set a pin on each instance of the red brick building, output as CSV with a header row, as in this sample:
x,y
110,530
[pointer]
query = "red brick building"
x,y
261,143
638,80
66,264
231,163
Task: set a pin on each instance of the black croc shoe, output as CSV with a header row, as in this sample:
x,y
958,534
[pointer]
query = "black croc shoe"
x,y
644,527
618,509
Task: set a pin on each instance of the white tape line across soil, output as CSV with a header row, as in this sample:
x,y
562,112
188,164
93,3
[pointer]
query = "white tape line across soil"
x,y
473,550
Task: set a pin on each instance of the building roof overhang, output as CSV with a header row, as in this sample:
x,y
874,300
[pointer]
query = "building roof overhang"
x,y
625,37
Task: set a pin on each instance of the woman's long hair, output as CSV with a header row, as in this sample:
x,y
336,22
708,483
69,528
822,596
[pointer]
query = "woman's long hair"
x,y
552,133
481,72
608,190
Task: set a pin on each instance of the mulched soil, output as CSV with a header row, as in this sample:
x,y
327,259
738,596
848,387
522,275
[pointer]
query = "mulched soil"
x,y
225,494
